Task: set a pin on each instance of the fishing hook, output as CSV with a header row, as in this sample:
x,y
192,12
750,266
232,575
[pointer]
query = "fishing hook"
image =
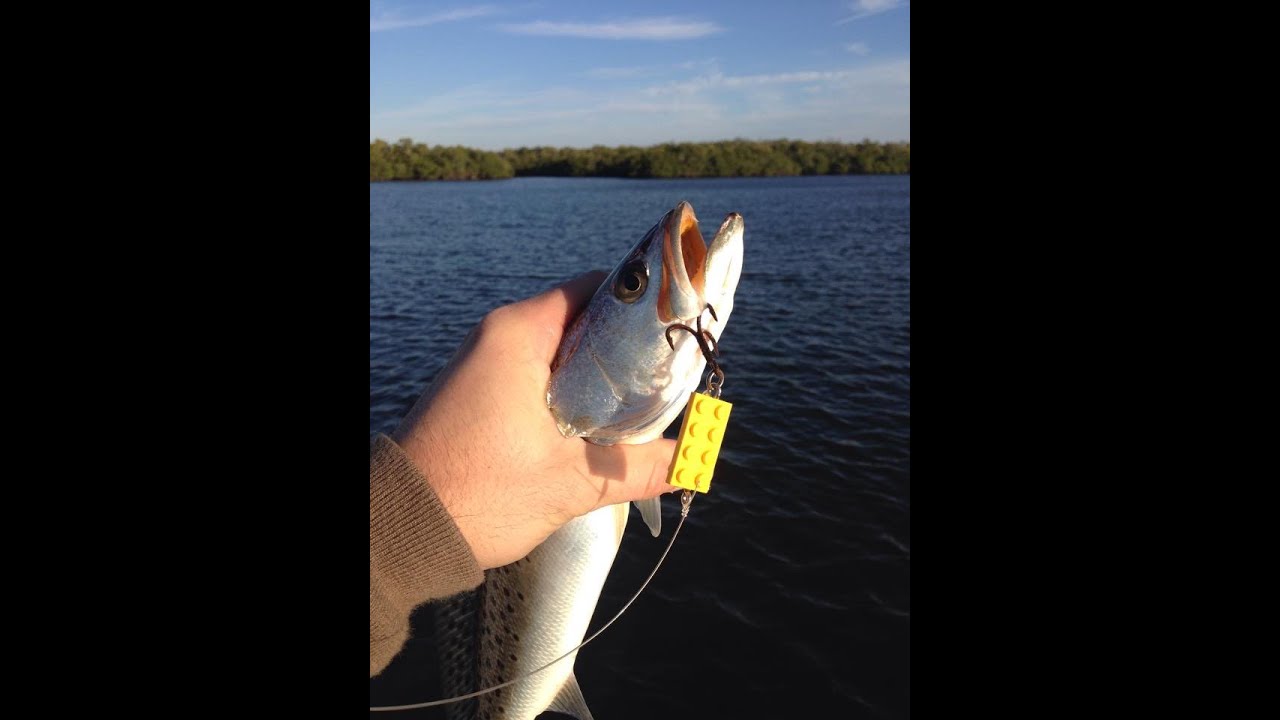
x,y
709,347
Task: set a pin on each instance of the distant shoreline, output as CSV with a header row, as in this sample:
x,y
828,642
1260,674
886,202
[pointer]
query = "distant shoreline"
x,y
410,181
409,161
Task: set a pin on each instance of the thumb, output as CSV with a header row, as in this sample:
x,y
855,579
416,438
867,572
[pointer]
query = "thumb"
x,y
548,315
631,472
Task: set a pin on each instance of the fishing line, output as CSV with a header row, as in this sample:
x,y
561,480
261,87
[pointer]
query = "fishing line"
x,y
686,499
713,416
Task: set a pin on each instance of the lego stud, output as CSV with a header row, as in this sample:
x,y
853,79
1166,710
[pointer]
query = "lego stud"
x,y
693,464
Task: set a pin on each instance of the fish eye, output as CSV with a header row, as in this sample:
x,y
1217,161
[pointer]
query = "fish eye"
x,y
631,282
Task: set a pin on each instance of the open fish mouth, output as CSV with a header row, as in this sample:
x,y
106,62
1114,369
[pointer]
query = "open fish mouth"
x,y
684,255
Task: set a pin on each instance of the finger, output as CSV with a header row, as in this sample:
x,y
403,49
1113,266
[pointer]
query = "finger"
x,y
631,472
552,311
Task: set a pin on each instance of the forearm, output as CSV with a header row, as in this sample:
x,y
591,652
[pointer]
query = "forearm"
x,y
416,552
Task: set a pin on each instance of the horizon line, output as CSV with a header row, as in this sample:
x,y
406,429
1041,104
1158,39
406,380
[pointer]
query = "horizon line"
x,y
652,145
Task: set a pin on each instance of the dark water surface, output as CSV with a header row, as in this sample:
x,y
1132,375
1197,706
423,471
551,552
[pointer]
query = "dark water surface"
x,y
788,591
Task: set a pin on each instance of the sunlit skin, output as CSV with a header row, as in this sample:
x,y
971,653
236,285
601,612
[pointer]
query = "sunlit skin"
x,y
482,436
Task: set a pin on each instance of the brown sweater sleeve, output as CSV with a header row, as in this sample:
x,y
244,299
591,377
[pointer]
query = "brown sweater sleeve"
x,y
416,552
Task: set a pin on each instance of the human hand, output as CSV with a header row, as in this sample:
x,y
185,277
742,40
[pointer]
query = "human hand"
x,y
486,442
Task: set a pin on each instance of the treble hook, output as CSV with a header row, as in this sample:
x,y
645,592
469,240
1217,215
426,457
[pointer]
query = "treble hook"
x,y
709,347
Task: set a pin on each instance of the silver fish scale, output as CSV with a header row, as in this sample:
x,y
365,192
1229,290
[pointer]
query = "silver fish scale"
x,y
457,621
477,641
525,615
500,638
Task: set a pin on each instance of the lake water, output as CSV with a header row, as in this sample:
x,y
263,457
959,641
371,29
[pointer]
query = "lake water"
x,y
788,591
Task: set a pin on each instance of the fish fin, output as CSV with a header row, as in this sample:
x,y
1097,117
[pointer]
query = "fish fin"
x,y
651,511
570,701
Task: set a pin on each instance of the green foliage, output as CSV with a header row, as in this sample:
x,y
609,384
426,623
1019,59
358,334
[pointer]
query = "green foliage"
x,y
406,160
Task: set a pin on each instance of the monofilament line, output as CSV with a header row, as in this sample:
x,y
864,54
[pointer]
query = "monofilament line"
x,y
685,501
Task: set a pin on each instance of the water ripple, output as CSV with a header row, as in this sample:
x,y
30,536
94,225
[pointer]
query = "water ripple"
x,y
794,572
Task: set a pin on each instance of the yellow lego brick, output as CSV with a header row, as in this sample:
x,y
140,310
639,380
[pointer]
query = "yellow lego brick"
x,y
698,447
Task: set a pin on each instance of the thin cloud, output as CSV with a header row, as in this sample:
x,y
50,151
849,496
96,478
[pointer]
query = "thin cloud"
x,y
389,21
867,8
658,28
613,73
782,78
858,48
637,71
893,73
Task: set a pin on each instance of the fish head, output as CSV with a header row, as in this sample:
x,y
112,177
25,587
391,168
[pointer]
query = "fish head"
x,y
615,378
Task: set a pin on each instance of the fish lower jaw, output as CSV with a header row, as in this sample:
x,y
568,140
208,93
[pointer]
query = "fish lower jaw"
x,y
567,429
571,428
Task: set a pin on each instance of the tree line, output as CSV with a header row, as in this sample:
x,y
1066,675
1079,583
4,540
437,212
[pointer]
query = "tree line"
x,y
407,160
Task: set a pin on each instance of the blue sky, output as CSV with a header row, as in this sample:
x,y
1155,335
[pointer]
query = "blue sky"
x,y
506,74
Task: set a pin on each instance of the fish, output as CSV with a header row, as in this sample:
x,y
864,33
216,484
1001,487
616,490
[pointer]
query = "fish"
x,y
615,379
